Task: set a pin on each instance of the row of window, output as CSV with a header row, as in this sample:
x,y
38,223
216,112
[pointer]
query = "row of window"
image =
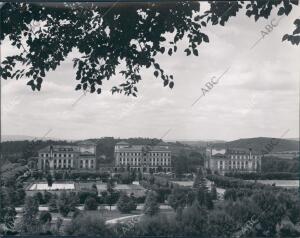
x,y
140,154
237,165
57,155
243,156
152,160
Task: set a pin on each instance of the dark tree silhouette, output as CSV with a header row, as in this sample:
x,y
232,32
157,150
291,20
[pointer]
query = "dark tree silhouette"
x,y
114,36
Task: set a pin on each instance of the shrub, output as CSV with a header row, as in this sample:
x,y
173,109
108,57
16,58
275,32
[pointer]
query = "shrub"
x,y
126,204
90,204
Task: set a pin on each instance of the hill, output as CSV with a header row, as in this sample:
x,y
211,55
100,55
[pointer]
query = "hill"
x,y
261,143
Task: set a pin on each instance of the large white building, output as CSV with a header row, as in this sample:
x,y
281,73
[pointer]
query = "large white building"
x,y
143,158
60,157
232,160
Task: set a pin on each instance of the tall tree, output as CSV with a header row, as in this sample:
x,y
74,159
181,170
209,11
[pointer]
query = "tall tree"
x,y
126,204
49,179
29,222
151,206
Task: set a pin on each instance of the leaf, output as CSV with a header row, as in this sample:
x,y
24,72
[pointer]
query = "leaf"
x,y
84,86
171,84
288,9
205,38
39,81
195,52
99,90
166,82
285,37
188,52
297,22
31,83
296,31
197,18
156,74
170,51
78,87
281,11
203,23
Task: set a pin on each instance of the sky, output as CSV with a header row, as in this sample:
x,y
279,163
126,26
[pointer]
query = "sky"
x,y
257,95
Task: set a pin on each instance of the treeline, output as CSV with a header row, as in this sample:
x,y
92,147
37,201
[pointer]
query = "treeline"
x,y
273,164
21,151
187,162
10,173
263,176
229,182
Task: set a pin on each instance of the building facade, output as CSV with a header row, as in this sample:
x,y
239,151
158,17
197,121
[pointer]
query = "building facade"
x,y
60,157
143,158
233,160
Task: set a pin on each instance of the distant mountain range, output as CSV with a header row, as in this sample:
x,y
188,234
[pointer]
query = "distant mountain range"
x,y
257,144
23,137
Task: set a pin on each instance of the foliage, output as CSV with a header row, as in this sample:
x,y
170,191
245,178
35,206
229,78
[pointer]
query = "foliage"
x,y
220,224
294,38
110,185
29,221
39,197
228,182
272,164
214,194
53,205
66,202
90,204
194,221
7,217
178,198
151,206
157,225
85,193
123,37
264,176
45,217
112,198
87,225
126,204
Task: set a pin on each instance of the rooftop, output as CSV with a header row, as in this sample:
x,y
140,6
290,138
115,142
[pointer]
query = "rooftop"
x,y
60,148
141,148
122,143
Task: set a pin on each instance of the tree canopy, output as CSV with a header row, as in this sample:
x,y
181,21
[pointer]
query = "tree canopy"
x,y
114,36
